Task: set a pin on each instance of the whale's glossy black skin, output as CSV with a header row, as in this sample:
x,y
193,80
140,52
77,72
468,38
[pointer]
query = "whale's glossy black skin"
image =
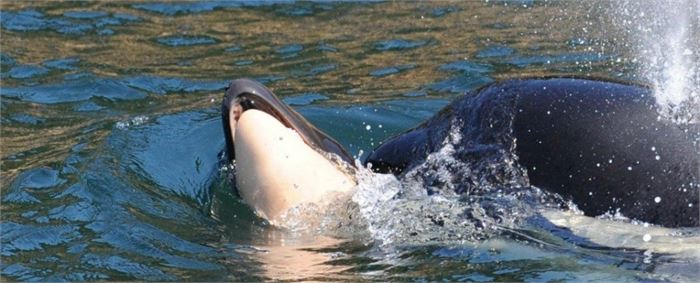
x,y
253,95
595,142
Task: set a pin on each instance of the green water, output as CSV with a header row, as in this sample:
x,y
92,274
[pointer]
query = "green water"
x,y
111,132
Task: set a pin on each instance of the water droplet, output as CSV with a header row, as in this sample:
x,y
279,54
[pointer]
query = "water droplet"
x,y
657,199
629,168
653,148
657,157
646,237
368,127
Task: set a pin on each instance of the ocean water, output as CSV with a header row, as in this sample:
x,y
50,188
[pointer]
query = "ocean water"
x,y
111,138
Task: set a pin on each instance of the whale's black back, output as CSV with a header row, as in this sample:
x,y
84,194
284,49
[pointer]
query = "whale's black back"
x,y
601,144
598,143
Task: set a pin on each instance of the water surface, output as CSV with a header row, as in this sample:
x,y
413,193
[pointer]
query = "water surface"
x,y
111,136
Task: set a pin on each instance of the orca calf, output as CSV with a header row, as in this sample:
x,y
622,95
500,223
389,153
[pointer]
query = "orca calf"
x,y
282,160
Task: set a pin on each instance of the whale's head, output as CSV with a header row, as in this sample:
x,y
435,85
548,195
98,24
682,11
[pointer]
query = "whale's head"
x,y
282,160
245,94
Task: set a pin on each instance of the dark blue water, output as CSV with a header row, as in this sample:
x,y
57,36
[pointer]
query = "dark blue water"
x,y
111,136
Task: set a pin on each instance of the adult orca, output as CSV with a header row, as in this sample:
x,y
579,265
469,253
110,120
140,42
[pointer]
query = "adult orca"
x,y
601,144
282,160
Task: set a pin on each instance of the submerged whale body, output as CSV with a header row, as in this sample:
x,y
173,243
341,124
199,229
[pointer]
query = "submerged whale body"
x,y
600,144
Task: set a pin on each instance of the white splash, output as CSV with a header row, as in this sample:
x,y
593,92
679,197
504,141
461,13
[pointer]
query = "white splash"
x,y
666,40
135,121
675,67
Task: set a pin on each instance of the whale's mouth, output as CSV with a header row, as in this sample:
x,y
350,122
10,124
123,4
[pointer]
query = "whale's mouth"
x,y
243,95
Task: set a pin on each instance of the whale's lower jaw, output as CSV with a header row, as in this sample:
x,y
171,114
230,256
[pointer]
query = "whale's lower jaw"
x,y
276,170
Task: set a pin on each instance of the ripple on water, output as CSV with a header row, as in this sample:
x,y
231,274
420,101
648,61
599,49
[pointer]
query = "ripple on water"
x,y
181,8
68,27
74,88
105,206
316,70
6,60
27,20
473,277
442,11
304,99
289,50
495,51
33,179
83,211
106,32
127,267
399,44
27,119
107,21
186,40
460,84
582,57
164,85
88,106
243,62
27,71
177,8
126,17
499,26
154,144
465,66
22,272
268,79
19,237
62,64
38,178
383,72
326,47
73,22
295,11
233,49
84,14
20,196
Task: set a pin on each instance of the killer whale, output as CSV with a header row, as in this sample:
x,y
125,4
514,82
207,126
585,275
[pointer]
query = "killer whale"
x,y
282,161
601,144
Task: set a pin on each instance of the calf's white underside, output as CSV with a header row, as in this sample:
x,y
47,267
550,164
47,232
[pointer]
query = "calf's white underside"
x,y
276,170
